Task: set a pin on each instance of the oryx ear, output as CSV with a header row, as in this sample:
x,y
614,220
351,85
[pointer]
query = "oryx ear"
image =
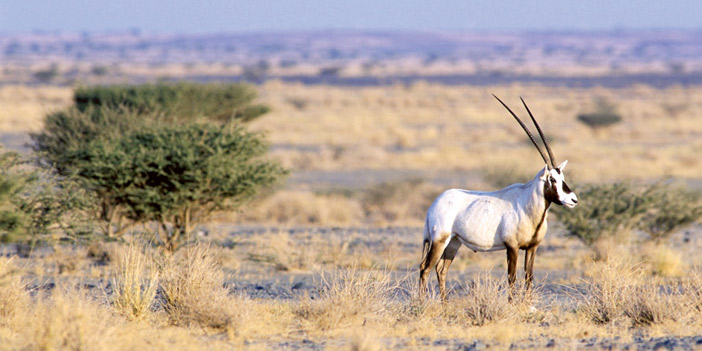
x,y
562,165
545,173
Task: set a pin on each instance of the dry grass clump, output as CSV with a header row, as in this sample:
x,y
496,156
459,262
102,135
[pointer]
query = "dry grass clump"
x,y
282,251
13,297
135,284
649,304
618,292
193,290
691,290
349,298
662,260
482,311
485,302
607,290
66,320
68,260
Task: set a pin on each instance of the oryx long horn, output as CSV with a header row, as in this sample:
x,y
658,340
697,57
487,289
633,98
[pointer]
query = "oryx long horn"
x,y
531,137
548,149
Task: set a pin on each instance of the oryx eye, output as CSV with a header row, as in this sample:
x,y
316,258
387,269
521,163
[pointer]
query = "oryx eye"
x,y
552,179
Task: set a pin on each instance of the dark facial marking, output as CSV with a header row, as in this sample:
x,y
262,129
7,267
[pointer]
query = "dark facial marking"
x,y
566,189
551,193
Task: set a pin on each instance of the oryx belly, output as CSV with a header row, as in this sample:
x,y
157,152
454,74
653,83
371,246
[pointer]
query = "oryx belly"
x,y
480,226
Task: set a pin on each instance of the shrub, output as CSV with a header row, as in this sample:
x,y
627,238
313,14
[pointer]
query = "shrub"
x,y
184,168
597,120
34,203
72,129
613,209
604,115
177,175
673,207
608,210
47,75
219,102
13,221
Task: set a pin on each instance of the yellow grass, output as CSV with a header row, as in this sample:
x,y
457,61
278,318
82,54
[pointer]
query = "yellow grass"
x,y
440,127
452,127
359,307
422,127
135,289
23,108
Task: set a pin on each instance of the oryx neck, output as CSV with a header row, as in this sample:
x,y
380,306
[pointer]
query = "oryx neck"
x,y
537,200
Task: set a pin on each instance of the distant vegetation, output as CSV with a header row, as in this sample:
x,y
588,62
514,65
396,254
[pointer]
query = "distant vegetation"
x,y
47,75
604,115
168,154
184,101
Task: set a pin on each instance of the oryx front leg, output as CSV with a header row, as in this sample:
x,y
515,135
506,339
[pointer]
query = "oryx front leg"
x,y
512,255
444,264
529,266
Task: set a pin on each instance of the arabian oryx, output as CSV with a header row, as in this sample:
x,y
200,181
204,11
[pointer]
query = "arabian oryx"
x,y
510,219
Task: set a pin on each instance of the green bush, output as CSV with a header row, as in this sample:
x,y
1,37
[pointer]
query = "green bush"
x,y
599,120
609,210
35,203
72,129
673,207
604,115
47,75
604,210
176,175
104,118
218,102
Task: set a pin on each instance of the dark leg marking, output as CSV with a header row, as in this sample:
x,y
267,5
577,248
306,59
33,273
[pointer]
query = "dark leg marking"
x,y
430,259
512,255
529,266
444,264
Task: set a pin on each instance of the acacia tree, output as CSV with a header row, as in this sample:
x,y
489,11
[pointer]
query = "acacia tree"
x,y
177,175
170,153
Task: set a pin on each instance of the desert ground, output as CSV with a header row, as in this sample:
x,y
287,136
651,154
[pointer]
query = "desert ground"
x,y
328,260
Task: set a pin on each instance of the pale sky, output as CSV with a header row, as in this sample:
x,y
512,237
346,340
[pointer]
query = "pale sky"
x,y
207,16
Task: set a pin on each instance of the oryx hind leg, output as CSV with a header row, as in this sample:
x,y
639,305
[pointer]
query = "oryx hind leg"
x,y
431,254
444,264
512,255
529,266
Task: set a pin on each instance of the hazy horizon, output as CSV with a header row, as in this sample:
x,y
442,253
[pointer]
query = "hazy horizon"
x,y
185,17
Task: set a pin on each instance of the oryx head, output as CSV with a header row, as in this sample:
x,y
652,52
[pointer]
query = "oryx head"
x,y
555,188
